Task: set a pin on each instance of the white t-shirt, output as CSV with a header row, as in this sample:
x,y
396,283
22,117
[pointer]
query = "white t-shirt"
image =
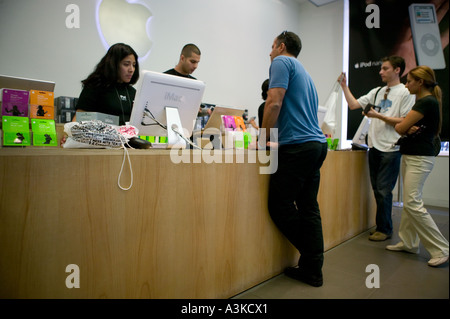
x,y
399,102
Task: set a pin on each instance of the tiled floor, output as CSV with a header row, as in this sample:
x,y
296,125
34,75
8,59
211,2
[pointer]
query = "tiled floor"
x,y
401,275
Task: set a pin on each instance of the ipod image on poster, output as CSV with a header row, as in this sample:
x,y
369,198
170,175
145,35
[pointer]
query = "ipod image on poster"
x,y
426,35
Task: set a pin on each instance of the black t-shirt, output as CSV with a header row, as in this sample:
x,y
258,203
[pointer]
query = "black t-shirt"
x,y
175,72
421,143
115,100
261,113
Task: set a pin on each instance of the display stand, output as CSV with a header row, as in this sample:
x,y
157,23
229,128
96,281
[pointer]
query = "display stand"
x,y
174,123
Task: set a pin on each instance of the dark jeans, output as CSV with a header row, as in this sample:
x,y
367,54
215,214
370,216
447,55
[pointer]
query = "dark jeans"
x,y
384,168
293,202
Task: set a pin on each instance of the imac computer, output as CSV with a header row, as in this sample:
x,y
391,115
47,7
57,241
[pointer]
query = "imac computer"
x,y
214,128
215,120
167,105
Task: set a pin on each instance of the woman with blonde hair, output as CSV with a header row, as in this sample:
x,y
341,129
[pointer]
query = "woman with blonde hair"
x,y
418,129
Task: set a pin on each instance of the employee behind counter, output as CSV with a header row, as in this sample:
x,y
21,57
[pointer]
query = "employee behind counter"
x,y
108,89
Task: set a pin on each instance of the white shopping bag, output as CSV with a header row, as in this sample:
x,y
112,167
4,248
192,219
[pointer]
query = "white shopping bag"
x,y
329,122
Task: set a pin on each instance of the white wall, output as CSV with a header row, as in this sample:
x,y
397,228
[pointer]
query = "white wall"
x,y
321,33
436,189
235,38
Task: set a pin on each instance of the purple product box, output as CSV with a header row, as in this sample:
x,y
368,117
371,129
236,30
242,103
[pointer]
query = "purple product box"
x,y
15,102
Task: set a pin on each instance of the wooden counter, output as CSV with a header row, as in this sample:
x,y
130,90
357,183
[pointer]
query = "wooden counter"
x,y
182,230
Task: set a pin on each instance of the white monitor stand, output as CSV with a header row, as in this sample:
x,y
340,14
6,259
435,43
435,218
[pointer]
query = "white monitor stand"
x,y
174,122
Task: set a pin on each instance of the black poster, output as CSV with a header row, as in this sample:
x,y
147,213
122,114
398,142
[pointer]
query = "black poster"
x,y
383,28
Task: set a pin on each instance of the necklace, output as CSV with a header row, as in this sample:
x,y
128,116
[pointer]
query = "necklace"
x,y
387,92
120,101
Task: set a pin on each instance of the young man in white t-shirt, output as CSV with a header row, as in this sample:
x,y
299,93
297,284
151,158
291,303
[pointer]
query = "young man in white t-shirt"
x,y
393,102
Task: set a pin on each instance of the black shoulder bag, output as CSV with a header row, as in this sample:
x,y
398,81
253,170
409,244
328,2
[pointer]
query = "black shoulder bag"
x,y
436,145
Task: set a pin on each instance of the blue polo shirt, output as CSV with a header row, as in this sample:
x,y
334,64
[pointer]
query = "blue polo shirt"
x,y
298,122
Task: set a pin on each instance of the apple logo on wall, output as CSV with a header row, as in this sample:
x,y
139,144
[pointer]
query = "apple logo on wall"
x,y
125,21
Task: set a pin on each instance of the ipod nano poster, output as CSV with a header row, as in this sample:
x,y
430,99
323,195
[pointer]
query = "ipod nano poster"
x,y
414,30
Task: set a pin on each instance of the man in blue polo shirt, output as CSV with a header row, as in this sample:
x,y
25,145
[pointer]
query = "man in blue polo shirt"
x,y
291,107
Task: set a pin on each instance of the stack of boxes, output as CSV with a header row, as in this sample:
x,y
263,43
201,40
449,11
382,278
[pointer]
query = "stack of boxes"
x,y
15,121
65,111
235,131
38,110
65,108
18,108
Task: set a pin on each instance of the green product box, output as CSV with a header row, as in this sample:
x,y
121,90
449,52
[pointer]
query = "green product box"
x,y
16,131
44,132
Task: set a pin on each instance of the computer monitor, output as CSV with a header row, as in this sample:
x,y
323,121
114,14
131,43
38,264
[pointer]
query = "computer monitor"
x,y
214,128
215,120
166,104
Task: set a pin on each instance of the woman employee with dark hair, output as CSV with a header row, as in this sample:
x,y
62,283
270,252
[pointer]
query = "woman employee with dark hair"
x,y
108,89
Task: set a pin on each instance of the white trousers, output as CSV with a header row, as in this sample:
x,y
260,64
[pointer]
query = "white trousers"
x,y
416,223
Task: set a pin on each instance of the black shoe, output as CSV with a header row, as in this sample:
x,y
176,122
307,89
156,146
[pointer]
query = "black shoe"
x,y
296,273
